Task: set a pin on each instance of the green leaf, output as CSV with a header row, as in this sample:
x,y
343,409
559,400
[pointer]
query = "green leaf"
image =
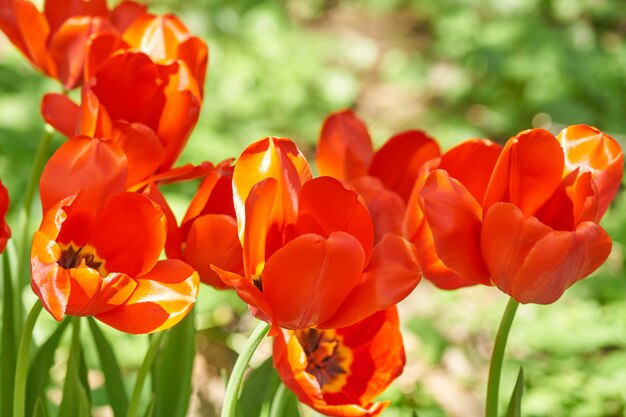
x,y
84,409
40,409
515,405
258,390
290,408
150,408
8,347
39,370
74,395
175,364
113,380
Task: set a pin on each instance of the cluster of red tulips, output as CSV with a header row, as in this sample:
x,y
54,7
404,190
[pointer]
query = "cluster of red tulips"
x,y
322,260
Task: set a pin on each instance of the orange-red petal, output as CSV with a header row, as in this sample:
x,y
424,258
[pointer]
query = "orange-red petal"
x,y
528,171
5,231
213,240
393,272
455,219
345,148
326,206
398,161
248,292
58,11
161,299
276,158
588,149
471,163
129,234
310,277
94,168
558,261
61,112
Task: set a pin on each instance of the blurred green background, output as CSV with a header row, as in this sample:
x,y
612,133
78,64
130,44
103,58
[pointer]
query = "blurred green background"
x,y
455,68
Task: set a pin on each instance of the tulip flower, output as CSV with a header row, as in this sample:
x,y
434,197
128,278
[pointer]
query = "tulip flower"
x,y
97,250
470,163
165,39
535,232
340,372
5,232
383,178
149,109
54,41
307,243
208,232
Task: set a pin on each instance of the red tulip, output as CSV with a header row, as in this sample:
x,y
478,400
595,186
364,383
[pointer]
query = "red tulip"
x,y
5,232
165,39
97,251
54,41
383,178
307,245
149,109
340,372
208,232
535,232
470,163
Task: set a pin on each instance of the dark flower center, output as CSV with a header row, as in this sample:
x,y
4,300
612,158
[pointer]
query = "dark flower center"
x,y
328,358
73,256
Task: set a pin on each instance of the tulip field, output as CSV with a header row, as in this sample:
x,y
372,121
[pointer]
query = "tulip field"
x,y
312,208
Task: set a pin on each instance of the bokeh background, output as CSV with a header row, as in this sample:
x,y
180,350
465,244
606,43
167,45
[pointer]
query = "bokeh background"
x,y
454,68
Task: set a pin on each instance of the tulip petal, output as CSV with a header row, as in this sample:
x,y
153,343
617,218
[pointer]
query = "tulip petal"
x,y
588,149
276,158
391,275
326,206
49,281
125,13
96,168
91,294
58,11
100,47
142,148
454,218
471,163
195,54
507,238
61,112
129,234
180,114
67,46
162,298
386,207
134,72
260,232
528,171
34,31
398,162
5,231
248,292
345,148
214,195
213,240
309,278
558,261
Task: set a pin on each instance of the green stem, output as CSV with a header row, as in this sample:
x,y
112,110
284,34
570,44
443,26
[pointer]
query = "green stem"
x,y
236,378
41,157
155,343
19,393
279,403
497,357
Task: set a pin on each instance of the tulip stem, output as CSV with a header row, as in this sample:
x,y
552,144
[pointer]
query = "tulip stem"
x,y
236,378
279,403
497,357
21,371
155,343
23,246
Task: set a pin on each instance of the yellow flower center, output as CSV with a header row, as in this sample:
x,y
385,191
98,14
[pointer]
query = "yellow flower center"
x,y
328,358
74,256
